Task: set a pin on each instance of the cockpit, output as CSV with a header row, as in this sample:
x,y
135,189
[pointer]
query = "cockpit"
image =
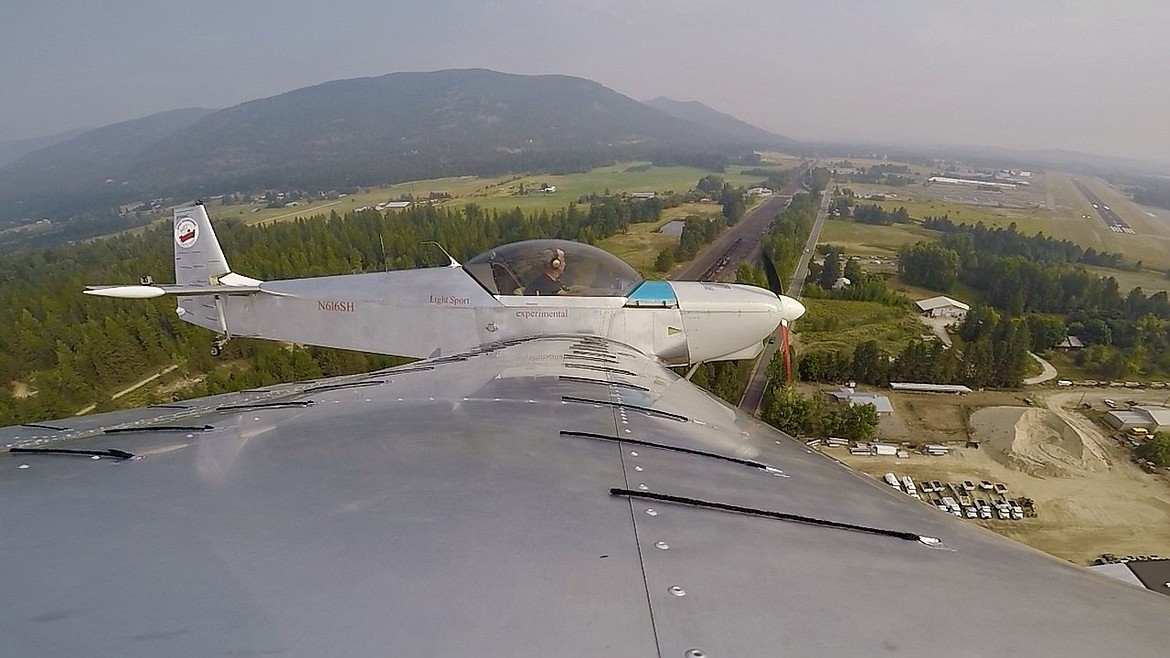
x,y
552,267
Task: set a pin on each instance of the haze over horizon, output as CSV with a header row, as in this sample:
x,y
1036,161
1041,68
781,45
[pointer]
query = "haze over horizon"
x,y
1040,75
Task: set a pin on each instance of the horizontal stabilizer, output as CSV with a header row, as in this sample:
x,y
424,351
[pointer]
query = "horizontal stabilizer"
x,y
147,292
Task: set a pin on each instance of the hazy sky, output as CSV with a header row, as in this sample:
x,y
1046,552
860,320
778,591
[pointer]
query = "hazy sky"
x,y
1090,76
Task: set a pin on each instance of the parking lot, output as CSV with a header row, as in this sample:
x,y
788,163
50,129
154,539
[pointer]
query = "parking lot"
x,y
1119,510
982,501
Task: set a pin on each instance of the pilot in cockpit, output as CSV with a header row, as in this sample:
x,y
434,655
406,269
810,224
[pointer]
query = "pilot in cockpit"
x,y
549,281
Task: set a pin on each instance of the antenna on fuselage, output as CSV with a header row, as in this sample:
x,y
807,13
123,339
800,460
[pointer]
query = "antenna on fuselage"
x,y
453,263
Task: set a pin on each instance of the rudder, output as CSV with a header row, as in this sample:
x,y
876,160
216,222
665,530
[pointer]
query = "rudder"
x,y
199,260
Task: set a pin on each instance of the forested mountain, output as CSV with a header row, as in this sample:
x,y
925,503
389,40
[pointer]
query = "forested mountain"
x,y
88,170
13,150
359,132
702,115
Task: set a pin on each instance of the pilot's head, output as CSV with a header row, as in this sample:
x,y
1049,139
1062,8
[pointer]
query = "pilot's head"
x,y
554,260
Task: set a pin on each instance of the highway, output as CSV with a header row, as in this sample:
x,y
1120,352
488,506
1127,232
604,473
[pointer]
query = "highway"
x,y
754,393
740,242
735,243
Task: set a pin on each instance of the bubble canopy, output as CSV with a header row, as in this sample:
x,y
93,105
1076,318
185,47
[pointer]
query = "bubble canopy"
x,y
520,268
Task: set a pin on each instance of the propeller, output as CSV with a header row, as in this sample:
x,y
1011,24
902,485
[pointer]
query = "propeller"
x,y
774,283
777,287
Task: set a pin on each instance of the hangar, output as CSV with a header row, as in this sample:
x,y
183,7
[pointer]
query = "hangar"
x,y
1154,419
943,307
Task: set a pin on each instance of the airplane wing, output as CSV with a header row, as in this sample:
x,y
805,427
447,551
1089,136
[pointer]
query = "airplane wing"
x,y
550,496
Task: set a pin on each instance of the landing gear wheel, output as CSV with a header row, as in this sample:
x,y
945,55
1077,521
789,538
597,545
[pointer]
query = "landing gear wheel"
x,y
216,350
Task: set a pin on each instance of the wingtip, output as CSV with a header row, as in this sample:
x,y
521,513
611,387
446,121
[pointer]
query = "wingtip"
x,y
125,292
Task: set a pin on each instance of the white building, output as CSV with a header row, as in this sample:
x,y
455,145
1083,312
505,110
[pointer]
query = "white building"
x,y
947,180
850,396
1152,418
943,307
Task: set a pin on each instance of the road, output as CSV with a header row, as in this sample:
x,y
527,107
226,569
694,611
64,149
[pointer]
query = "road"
x,y
132,387
748,231
1049,371
797,285
754,393
299,211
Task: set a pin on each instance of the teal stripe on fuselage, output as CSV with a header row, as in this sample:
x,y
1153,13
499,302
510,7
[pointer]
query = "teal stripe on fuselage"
x,y
653,293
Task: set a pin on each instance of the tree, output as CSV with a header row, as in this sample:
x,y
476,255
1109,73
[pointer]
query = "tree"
x,y
980,321
1156,449
1046,331
857,421
853,270
929,264
824,366
750,274
665,260
788,411
870,363
831,270
711,185
818,179
731,199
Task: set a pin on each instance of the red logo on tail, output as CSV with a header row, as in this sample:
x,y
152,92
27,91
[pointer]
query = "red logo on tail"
x,y
186,232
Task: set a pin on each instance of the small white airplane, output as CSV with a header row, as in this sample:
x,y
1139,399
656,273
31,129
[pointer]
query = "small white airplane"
x,y
520,290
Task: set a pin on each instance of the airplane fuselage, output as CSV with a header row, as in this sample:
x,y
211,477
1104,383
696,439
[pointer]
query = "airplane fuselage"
x,y
434,311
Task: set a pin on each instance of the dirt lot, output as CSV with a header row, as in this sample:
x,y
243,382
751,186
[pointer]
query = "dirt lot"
x,y
1089,497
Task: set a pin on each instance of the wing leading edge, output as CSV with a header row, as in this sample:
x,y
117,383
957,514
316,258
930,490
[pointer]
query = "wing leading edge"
x,y
463,505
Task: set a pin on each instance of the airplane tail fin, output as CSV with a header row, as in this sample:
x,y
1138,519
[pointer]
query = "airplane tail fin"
x,y
199,260
203,278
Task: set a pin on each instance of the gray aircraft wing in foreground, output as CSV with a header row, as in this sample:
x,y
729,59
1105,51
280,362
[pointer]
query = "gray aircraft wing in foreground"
x,y
564,494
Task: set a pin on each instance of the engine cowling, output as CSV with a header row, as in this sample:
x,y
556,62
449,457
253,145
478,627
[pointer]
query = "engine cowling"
x,y
730,321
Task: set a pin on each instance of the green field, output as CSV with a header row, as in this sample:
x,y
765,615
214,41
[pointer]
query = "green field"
x,y
872,240
1073,217
863,163
639,246
1153,249
781,160
625,177
832,324
1028,220
1150,281
256,213
503,192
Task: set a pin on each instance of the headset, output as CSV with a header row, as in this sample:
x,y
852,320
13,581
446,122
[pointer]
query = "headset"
x,y
556,258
